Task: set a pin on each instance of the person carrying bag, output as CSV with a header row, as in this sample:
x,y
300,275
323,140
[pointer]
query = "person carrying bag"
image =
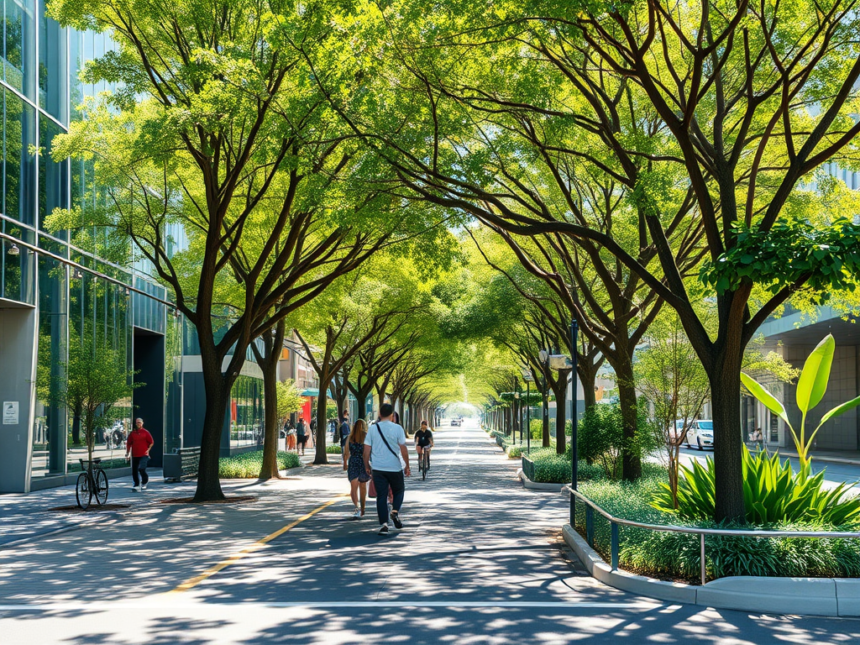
x,y
384,465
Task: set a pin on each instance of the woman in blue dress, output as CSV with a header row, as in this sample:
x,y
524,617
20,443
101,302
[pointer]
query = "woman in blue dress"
x,y
353,463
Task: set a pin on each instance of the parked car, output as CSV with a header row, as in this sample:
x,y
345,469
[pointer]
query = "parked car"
x,y
700,434
456,422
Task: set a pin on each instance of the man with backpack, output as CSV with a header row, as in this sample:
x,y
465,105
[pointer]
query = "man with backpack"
x,y
382,461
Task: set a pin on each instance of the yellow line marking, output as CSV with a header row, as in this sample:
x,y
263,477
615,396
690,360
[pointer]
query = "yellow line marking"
x,y
256,546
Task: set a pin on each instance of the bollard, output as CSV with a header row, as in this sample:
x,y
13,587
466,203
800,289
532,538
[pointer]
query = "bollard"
x,y
614,547
589,526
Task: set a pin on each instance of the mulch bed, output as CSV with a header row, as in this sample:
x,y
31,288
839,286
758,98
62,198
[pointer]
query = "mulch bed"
x,y
190,500
95,508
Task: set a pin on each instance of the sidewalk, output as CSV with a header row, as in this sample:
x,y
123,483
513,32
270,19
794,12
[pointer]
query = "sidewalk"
x,y
29,516
848,457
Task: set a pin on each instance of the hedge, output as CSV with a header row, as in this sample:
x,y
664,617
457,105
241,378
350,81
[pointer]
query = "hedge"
x,y
247,465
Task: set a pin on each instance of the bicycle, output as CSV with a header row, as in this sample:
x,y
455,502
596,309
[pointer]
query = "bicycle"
x,y
424,464
93,482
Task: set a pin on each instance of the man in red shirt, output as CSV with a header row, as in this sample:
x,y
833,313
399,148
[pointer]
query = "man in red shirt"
x,y
139,444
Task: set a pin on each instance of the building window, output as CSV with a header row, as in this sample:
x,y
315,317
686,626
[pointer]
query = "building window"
x,y
53,72
246,412
53,176
49,422
19,165
19,46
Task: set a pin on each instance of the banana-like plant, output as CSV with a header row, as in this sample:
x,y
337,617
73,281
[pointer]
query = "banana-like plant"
x,y
773,492
811,387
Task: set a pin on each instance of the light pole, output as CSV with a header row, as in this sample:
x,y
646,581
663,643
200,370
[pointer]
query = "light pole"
x,y
528,378
574,448
544,358
519,417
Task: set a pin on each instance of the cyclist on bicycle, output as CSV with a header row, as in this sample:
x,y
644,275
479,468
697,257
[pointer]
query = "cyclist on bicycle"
x,y
423,441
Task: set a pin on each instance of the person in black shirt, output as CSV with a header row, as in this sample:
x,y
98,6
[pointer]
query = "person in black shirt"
x,y
423,440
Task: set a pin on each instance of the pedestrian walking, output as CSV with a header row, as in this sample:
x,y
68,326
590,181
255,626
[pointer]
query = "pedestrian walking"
x,y
301,435
345,432
386,466
139,444
291,435
353,463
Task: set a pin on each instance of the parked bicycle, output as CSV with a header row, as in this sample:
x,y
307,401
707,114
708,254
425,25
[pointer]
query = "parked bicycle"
x,y
93,482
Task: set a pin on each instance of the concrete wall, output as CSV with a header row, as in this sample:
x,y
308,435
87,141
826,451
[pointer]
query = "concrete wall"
x,y
840,433
17,349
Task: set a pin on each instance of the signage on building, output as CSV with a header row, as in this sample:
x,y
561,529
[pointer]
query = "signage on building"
x,y
10,413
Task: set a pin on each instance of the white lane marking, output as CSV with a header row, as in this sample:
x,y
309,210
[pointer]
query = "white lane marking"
x,y
454,604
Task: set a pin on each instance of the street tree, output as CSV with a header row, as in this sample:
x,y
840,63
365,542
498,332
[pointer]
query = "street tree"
x,y
735,105
220,131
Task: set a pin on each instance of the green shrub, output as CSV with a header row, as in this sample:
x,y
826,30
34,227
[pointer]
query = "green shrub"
x,y
247,465
515,452
334,449
536,429
600,436
552,468
772,493
676,555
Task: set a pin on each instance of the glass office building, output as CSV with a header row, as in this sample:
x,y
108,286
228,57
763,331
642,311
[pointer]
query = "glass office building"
x,y
54,296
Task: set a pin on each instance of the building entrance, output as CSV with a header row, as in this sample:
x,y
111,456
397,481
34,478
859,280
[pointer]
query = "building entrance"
x,y
148,400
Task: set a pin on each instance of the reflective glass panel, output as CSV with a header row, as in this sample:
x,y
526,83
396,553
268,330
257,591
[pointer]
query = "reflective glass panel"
x,y
19,164
53,177
19,46
53,72
49,431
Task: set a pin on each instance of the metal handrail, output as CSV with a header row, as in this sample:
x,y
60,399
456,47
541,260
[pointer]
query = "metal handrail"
x,y
615,522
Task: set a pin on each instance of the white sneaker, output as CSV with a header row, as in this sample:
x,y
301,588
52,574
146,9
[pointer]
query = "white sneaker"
x,y
357,513
143,487
135,489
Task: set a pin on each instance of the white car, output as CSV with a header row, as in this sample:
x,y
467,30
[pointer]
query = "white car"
x,y
700,434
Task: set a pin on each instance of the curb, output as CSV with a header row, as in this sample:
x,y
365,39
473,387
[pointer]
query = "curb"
x,y
542,486
801,596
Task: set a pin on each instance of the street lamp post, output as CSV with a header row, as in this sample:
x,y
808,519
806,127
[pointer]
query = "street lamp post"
x,y
544,358
519,416
574,448
528,378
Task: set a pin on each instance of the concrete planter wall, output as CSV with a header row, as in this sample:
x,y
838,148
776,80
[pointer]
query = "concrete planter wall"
x,y
529,468
805,596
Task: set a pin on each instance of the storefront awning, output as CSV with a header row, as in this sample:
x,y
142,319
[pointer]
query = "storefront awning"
x,y
310,392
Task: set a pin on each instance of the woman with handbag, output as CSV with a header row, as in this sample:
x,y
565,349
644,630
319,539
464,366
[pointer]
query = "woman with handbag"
x,y
354,465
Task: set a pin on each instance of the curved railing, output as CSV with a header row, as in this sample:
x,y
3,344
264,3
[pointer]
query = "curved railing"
x,y
615,522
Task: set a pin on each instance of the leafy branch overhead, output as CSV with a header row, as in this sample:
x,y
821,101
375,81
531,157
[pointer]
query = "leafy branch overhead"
x,y
794,252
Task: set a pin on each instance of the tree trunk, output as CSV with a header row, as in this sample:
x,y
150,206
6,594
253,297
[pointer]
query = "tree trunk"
x,y
76,427
631,464
217,388
728,439
273,341
320,455
362,406
269,469
588,379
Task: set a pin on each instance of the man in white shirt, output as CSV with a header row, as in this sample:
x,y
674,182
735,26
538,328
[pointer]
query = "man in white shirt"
x,y
382,461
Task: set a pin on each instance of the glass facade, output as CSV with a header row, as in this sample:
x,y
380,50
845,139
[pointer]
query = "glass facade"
x,y
74,303
74,299
246,412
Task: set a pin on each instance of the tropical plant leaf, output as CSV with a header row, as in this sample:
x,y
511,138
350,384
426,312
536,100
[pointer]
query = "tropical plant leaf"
x,y
766,398
812,383
839,409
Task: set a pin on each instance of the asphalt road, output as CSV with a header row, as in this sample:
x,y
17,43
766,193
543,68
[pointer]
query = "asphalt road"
x,y
479,561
